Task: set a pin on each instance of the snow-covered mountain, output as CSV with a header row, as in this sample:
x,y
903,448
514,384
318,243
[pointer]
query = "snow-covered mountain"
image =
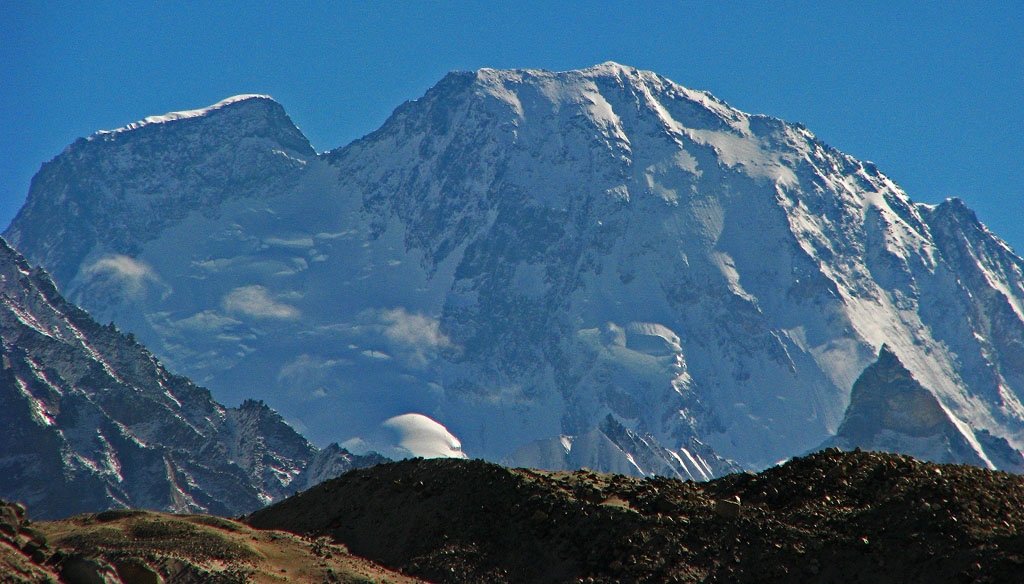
x,y
91,420
522,254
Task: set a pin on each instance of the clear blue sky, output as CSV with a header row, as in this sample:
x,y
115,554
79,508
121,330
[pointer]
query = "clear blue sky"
x,y
933,92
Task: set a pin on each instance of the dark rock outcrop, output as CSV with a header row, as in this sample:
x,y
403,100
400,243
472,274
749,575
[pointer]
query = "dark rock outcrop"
x,y
891,411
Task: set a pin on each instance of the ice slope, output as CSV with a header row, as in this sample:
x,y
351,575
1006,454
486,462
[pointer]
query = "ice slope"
x,y
520,254
614,448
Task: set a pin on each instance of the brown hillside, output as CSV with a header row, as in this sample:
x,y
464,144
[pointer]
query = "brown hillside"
x,y
144,547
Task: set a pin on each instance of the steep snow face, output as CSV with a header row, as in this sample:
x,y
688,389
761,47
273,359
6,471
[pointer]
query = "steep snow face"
x,y
520,254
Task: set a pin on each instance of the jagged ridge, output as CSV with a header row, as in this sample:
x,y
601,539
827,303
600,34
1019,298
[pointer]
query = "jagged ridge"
x,y
91,420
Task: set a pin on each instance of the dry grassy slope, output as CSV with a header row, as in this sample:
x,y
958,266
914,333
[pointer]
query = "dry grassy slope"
x,y
140,546
828,517
17,567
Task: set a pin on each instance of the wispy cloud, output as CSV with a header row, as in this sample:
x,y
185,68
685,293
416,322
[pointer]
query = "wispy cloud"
x,y
310,371
207,321
129,274
417,336
255,301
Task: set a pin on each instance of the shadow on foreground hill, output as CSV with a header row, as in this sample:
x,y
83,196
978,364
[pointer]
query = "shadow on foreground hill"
x,y
829,517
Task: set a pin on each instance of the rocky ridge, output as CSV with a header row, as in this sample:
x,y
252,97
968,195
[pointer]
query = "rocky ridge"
x,y
890,411
91,420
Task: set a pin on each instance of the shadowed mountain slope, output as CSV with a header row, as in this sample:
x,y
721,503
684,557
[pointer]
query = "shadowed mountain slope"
x,y
91,420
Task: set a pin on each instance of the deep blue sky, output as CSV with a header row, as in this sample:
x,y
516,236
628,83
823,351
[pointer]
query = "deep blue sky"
x,y
933,92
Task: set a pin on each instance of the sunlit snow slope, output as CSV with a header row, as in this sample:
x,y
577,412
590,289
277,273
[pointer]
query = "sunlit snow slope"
x,y
521,254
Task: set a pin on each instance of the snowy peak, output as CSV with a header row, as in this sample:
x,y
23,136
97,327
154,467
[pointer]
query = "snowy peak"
x,y
196,113
242,116
647,87
124,187
521,253
954,219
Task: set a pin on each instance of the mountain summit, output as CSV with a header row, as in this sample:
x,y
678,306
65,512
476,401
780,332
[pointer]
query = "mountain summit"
x,y
521,254
106,196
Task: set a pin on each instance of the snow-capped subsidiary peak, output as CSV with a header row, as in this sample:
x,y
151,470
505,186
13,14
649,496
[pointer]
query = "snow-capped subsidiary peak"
x,y
521,253
196,113
133,183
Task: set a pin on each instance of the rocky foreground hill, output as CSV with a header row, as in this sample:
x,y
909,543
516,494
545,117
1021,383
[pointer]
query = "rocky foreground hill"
x,y
832,516
142,547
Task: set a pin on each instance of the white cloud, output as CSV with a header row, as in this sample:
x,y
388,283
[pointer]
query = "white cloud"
x,y
310,374
207,321
255,301
378,355
413,329
130,275
295,243
417,337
